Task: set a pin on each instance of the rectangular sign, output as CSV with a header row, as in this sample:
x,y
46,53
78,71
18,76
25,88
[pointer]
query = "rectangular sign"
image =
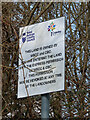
x,y
41,58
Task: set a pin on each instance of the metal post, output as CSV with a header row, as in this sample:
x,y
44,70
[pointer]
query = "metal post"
x,y
45,106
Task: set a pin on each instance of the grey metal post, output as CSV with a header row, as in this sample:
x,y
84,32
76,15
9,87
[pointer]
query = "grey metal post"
x,y
45,106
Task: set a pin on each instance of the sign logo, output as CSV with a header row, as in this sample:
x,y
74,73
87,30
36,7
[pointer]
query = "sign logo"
x,y
28,36
24,37
51,27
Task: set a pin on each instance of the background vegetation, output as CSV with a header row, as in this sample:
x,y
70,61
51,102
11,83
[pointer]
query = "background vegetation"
x,y
74,100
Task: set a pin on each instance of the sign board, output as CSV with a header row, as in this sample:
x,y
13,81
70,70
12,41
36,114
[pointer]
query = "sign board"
x,y
41,58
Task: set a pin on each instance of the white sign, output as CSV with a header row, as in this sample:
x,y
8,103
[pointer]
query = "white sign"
x,y
42,58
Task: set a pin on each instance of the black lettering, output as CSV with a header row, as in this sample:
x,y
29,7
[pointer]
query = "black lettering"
x,y
55,45
54,60
47,47
42,53
27,86
48,52
21,82
27,81
58,75
35,54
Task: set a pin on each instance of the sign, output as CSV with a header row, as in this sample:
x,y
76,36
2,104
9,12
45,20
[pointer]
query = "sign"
x,y
41,58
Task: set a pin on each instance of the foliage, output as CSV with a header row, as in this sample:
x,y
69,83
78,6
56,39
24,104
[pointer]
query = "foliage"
x,y
74,101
